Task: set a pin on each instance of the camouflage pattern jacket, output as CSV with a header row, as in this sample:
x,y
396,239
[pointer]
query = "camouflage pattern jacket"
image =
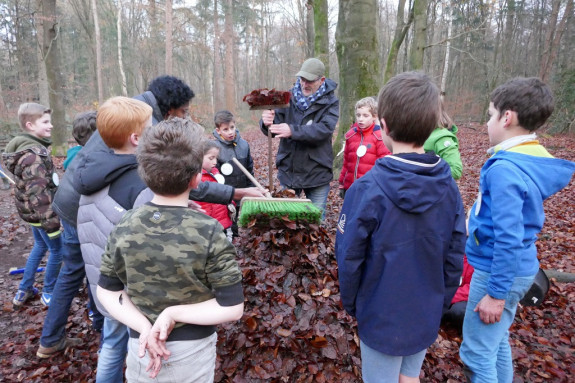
x,y
167,256
27,157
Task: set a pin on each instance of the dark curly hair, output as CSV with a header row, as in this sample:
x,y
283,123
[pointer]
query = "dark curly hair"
x,y
170,93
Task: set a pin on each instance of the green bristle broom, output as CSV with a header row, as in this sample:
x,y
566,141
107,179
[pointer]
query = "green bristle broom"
x,y
265,209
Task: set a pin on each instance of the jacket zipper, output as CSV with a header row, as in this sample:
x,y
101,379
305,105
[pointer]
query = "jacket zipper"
x,y
357,161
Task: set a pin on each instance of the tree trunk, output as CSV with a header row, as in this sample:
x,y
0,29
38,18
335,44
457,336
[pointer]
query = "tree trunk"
x,y
447,48
230,85
218,102
98,52
120,57
321,25
43,89
419,34
310,28
401,29
169,42
553,38
55,80
356,46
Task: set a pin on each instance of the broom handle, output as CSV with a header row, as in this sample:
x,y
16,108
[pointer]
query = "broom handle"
x,y
6,175
254,181
270,161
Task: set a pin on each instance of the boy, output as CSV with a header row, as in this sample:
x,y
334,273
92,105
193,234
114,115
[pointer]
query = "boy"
x,y
82,128
176,263
28,158
504,224
363,144
109,185
232,145
401,236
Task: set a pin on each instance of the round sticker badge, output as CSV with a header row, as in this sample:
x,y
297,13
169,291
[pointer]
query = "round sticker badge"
x,y
227,169
220,178
55,179
361,150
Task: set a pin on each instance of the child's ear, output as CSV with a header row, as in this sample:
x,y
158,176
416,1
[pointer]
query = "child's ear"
x,y
195,181
384,126
134,139
510,119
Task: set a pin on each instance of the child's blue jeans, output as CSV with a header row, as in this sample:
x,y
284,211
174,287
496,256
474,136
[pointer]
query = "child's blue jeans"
x,y
42,243
485,350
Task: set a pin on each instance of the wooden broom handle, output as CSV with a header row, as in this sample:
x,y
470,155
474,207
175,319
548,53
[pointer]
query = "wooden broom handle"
x,y
247,174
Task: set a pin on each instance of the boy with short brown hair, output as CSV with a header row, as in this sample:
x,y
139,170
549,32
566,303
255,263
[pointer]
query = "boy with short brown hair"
x,y
28,158
178,268
400,237
504,224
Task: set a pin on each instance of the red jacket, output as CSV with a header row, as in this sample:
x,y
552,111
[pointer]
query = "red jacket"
x,y
355,167
215,210
462,293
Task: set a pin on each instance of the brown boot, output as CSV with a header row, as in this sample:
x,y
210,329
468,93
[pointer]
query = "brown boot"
x,y
46,352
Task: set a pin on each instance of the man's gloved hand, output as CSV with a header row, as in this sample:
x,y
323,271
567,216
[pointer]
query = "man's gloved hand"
x,y
232,211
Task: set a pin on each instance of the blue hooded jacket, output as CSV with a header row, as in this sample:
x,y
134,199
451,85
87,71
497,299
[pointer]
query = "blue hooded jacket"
x,y
508,213
399,248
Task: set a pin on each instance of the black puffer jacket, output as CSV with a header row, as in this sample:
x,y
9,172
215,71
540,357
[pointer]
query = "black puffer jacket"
x,y
305,159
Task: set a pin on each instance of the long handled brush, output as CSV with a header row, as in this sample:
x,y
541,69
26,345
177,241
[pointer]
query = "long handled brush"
x,y
261,210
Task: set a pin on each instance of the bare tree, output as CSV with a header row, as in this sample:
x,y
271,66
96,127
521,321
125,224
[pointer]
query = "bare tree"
x,y
553,37
356,46
98,51
51,24
419,34
321,25
169,42
120,56
401,29
229,38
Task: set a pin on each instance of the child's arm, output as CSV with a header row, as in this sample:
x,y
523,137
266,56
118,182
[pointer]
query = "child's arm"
x,y
120,306
354,228
506,186
250,167
453,265
448,149
37,192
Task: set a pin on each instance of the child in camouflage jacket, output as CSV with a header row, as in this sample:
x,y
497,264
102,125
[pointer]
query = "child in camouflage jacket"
x,y
27,157
168,271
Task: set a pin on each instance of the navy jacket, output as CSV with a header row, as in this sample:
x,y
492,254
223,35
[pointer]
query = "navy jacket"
x,y
305,159
399,247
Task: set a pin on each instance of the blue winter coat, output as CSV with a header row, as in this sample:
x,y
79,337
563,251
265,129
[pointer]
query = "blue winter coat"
x,y
399,248
305,159
505,221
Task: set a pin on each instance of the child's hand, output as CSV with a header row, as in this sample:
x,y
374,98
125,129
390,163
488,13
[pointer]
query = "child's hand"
x,y
490,309
232,211
193,205
268,117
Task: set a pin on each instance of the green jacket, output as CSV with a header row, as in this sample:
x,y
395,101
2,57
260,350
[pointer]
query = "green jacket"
x,y
27,157
444,143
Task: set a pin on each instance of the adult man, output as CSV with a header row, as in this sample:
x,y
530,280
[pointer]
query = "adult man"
x,y
305,130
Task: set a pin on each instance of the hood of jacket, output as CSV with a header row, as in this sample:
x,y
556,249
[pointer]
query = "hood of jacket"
x,y
413,182
149,98
26,141
99,169
220,139
549,174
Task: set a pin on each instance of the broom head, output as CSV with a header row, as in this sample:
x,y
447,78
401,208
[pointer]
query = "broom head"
x,y
259,211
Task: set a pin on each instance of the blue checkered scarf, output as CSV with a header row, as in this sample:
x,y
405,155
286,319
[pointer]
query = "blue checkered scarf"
x,y
303,102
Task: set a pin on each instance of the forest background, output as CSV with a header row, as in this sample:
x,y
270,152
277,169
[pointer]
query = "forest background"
x,y
74,54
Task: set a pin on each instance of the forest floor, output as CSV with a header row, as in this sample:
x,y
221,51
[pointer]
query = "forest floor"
x,y
543,338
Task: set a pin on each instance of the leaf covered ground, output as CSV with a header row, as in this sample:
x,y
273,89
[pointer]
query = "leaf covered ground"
x,y
293,321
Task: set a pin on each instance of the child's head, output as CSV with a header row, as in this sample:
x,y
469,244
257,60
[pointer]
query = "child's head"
x,y
366,112
530,98
120,117
172,95
225,125
83,126
409,106
211,150
35,119
170,156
